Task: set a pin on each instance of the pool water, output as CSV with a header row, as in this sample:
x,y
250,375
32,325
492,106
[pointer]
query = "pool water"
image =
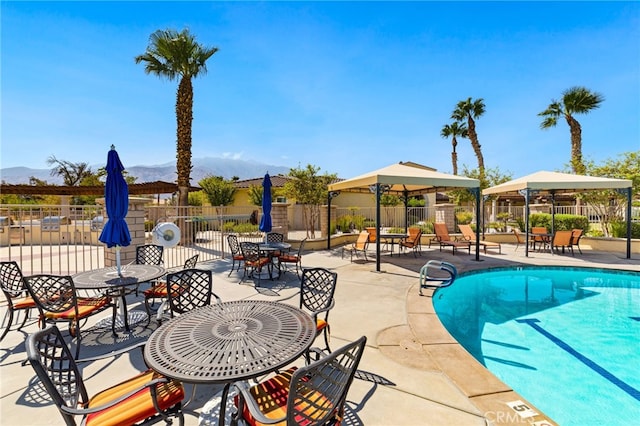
x,y
566,339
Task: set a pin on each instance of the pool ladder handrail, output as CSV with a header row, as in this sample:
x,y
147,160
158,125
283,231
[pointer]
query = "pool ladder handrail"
x,y
438,281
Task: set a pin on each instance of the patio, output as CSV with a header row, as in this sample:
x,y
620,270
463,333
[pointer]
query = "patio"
x,y
417,374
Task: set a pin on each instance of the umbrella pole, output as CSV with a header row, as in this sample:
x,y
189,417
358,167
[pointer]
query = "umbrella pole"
x,y
118,264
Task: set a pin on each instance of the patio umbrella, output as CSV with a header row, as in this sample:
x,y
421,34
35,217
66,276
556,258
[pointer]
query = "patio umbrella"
x,y
116,197
265,221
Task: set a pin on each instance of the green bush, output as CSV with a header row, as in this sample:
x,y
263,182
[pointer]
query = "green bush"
x,y
425,227
148,225
563,222
229,226
464,217
619,230
396,231
245,228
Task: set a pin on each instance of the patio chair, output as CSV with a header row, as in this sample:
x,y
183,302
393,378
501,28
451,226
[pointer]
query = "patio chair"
x,y
562,239
311,395
540,239
295,259
254,260
190,289
373,236
469,235
413,241
236,253
317,288
16,294
148,254
444,240
57,301
360,245
148,396
158,290
576,234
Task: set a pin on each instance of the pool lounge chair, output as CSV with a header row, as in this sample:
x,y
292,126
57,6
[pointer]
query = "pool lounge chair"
x,y
470,235
443,238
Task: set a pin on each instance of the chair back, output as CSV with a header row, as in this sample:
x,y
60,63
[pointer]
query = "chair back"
x,y
53,293
414,234
518,235
11,280
250,251
301,248
562,238
441,231
234,245
318,391
149,254
54,365
576,234
362,241
467,232
373,234
274,237
189,289
317,288
538,230
191,262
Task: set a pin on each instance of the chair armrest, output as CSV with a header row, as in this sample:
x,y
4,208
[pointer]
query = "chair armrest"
x,y
244,397
82,411
140,344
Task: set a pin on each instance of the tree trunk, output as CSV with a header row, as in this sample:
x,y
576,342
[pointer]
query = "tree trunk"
x,y
454,156
184,117
473,137
576,145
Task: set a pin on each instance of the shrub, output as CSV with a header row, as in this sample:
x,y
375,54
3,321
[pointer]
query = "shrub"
x,y
464,217
245,228
148,225
619,230
425,227
563,222
229,226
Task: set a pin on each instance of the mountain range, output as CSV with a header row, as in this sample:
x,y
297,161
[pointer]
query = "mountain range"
x,y
216,166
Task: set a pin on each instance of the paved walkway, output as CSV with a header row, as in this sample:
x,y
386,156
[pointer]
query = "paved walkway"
x,y
412,372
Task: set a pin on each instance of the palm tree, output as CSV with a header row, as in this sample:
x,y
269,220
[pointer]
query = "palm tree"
x,y
468,111
174,55
454,129
576,100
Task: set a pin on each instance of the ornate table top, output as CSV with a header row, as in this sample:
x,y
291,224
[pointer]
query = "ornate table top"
x,y
230,341
108,277
274,246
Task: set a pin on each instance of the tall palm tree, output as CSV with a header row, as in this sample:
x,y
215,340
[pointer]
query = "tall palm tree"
x,y
468,111
454,129
576,100
177,55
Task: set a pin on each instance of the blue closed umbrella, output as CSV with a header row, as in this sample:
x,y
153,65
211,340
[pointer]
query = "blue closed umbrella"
x,y
265,221
116,196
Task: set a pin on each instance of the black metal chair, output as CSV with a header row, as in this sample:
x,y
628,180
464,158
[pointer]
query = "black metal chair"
x,y
236,253
253,260
311,395
190,289
295,259
149,254
158,289
16,293
147,397
317,288
57,301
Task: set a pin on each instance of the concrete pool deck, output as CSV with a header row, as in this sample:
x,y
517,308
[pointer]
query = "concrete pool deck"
x,y
413,372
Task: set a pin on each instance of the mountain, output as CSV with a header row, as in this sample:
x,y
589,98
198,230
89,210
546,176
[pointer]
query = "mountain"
x,y
202,167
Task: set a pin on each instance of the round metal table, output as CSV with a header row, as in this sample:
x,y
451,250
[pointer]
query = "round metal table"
x,y
229,341
114,285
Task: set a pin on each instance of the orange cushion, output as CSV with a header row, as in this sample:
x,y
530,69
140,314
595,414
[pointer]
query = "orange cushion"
x,y
160,290
288,258
86,306
260,262
137,407
321,324
25,303
238,257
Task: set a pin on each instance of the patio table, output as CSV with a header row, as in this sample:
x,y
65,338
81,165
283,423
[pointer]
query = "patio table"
x,y
269,248
393,238
230,341
115,285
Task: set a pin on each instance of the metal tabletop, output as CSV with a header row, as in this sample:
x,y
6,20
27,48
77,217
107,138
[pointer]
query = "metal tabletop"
x,y
393,238
274,246
106,278
230,341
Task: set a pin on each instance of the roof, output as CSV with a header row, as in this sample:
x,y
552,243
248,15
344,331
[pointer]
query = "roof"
x,y
276,181
405,177
157,187
553,181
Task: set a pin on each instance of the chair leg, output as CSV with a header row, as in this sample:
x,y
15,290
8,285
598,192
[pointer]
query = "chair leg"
x,y
6,330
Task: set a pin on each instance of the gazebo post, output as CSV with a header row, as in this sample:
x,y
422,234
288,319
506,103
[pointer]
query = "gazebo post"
x,y
378,227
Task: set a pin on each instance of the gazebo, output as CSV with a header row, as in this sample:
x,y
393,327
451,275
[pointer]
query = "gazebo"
x,y
404,179
554,182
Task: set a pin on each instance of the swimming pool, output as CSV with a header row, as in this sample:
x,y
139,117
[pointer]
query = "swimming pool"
x,y
566,339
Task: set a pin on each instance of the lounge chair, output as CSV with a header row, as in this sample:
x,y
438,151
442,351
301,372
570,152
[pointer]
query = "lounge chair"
x,y
469,235
443,238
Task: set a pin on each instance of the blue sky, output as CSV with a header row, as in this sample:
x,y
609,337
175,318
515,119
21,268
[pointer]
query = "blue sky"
x,y
347,87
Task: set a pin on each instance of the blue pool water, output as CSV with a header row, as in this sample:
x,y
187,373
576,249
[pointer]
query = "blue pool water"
x,y
566,339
